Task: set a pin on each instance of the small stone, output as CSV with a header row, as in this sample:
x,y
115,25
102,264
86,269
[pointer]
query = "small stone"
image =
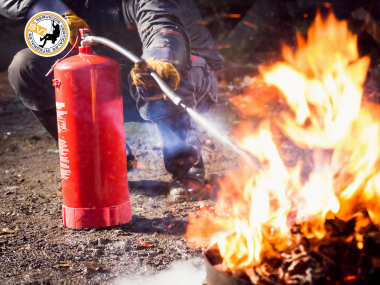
x,y
209,143
98,252
12,188
92,243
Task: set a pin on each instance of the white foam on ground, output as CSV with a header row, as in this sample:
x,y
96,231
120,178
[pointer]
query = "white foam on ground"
x,y
189,272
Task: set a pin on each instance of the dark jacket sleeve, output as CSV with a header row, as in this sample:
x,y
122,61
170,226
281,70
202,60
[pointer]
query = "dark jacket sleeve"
x,y
162,30
25,9
16,9
202,43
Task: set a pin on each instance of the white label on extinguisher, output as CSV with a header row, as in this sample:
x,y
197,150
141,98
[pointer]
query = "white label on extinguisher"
x,y
59,105
60,117
64,160
63,149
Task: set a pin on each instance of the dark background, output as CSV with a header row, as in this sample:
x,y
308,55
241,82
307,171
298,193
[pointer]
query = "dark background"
x,y
248,32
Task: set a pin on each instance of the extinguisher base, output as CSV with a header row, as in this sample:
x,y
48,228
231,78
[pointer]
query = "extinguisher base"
x,y
78,218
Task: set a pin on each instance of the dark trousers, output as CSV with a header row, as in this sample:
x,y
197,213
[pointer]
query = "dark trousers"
x,y
181,149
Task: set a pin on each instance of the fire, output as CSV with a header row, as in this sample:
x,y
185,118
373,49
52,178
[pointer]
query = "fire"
x,y
312,103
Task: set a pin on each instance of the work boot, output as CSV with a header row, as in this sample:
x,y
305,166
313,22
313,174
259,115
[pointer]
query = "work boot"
x,y
130,157
190,186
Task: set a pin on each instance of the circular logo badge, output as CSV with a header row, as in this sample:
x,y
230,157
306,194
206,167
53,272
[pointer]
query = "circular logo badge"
x,y
47,34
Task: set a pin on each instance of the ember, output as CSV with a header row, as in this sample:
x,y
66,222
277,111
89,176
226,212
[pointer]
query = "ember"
x,y
312,214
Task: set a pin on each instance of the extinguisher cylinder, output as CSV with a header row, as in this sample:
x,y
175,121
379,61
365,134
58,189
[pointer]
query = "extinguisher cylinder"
x,y
91,141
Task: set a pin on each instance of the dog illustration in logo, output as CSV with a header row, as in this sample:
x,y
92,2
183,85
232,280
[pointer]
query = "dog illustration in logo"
x,y
53,36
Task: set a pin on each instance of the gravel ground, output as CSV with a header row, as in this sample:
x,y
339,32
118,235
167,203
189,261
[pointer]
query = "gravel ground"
x,y
35,248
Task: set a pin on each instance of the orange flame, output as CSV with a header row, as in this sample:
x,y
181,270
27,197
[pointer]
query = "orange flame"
x,y
311,103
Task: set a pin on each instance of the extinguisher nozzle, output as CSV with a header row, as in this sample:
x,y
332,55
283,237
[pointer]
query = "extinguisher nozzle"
x,y
182,104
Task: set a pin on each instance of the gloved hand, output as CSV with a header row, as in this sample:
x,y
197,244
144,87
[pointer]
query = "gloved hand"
x,y
145,83
75,23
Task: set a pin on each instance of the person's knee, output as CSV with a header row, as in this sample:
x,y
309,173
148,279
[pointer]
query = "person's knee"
x,y
26,75
18,67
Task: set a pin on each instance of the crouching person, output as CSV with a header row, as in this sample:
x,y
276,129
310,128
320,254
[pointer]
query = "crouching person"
x,y
175,45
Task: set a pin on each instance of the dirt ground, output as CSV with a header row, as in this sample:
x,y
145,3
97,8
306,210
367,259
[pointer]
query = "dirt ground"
x,y
35,248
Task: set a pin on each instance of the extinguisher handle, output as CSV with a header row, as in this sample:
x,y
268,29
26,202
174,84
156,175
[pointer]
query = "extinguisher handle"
x,y
90,40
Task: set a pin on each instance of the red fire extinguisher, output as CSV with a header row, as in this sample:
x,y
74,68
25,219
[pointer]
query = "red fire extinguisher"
x,y
91,141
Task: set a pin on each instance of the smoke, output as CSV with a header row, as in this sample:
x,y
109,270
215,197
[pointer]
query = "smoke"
x,y
224,139
189,272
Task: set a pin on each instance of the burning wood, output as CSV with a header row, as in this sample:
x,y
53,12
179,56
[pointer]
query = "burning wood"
x,y
313,217
326,261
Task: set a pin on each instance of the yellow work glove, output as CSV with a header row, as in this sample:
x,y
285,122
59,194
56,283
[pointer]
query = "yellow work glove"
x,y
163,68
75,23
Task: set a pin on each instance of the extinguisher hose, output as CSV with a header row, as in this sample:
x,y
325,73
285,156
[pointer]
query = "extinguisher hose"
x,y
252,161
164,87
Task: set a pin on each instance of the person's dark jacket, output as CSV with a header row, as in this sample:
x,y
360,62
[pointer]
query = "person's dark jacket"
x,y
168,29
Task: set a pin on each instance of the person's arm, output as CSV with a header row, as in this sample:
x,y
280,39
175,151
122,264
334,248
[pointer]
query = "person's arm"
x,y
163,31
25,9
16,10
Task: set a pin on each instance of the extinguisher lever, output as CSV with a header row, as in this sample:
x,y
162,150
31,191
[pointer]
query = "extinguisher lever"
x,y
84,33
